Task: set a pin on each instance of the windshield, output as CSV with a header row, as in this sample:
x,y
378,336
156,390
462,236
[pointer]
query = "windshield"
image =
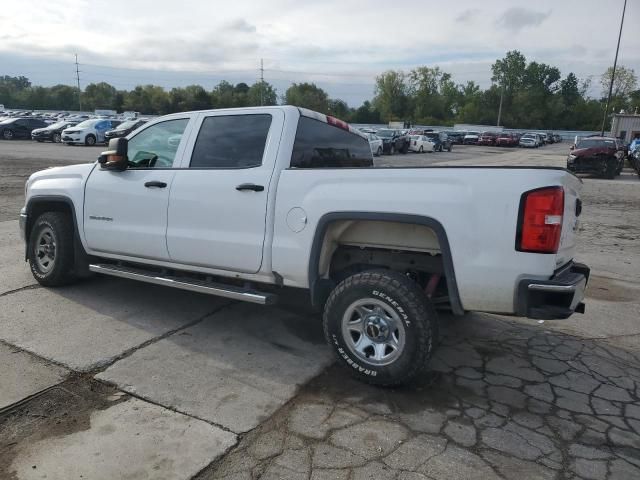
x,y
127,124
385,133
56,125
87,123
591,143
432,135
528,137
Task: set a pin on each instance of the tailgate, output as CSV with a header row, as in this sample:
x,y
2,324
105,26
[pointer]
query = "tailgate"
x,y
572,208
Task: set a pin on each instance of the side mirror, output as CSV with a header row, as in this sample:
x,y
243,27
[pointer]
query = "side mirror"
x,y
116,157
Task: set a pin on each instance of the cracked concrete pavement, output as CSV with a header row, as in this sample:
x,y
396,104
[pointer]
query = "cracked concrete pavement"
x,y
114,379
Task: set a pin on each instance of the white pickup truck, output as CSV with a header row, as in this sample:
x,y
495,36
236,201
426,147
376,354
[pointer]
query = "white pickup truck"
x,y
245,203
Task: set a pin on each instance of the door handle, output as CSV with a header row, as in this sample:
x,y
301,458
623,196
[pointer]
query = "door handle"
x,y
250,186
155,183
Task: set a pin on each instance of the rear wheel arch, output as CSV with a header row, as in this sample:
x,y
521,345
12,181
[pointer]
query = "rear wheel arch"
x,y
320,287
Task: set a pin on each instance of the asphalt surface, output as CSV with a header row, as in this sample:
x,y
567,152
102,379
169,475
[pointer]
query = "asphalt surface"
x,y
111,379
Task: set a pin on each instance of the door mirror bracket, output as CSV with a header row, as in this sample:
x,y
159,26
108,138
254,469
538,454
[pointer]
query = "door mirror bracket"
x,y
116,157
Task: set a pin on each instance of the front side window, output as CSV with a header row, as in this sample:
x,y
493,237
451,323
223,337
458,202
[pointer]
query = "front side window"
x,y
320,145
231,141
156,146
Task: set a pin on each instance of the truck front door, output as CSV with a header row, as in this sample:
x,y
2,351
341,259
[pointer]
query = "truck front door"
x,y
125,213
218,201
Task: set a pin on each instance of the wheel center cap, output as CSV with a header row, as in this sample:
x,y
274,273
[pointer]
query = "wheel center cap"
x,y
376,328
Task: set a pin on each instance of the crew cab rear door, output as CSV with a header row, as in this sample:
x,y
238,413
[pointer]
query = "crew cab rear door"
x,y
218,201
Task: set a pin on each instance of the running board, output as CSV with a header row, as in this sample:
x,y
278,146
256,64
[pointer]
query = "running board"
x,y
210,288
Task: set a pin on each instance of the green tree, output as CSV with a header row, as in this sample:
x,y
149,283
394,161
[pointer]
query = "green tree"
x,y
307,95
262,93
366,113
391,95
99,95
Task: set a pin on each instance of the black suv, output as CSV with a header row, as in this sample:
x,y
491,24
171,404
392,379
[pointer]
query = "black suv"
x,y
441,141
124,129
52,133
19,127
393,141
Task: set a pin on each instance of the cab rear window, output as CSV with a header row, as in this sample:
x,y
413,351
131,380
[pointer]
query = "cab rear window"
x,y
320,145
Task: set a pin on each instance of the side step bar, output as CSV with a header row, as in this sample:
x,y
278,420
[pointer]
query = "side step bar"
x,y
218,289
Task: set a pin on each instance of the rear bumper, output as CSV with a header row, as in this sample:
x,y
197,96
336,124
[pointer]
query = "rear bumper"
x,y
556,298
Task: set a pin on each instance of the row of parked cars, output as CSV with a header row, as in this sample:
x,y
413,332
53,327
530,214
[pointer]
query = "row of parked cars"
x,y
390,141
71,130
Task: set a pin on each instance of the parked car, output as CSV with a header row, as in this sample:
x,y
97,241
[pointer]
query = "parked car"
x,y
51,133
529,140
550,137
19,127
124,129
471,138
544,138
634,158
440,141
456,137
375,143
487,138
393,141
507,139
421,143
373,262
557,138
603,156
88,132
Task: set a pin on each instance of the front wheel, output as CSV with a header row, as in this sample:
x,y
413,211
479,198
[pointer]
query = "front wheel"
x,y
57,138
7,134
421,150
90,140
379,152
50,249
381,326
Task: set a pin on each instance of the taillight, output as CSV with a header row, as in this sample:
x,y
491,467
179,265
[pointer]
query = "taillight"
x,y
540,220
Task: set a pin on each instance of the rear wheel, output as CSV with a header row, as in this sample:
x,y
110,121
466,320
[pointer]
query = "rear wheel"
x,y
57,138
7,134
421,149
379,152
381,326
50,249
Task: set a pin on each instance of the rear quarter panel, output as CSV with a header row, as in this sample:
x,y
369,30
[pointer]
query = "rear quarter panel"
x,y
478,208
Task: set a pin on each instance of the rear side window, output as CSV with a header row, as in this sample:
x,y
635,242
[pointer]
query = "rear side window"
x,y
320,145
232,141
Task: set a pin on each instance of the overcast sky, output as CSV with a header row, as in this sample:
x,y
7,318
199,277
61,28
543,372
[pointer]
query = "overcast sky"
x,y
339,44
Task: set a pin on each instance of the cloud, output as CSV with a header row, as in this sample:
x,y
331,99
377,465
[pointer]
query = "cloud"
x,y
517,18
467,16
241,25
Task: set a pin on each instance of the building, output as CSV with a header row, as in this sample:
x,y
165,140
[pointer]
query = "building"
x,y
625,126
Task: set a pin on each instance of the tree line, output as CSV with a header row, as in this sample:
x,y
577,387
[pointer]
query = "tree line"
x,y
532,94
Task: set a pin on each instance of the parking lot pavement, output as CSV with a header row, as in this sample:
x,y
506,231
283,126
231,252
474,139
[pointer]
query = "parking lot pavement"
x,y
23,375
234,369
14,274
84,431
506,399
170,376
89,325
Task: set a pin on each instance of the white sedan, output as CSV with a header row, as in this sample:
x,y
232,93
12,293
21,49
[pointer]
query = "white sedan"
x,y
420,143
375,143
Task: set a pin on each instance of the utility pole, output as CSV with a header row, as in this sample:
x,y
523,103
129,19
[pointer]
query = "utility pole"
x,y
613,72
500,108
261,82
79,91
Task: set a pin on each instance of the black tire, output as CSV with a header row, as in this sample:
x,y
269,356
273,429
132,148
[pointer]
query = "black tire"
x,y
450,148
397,294
57,138
379,153
421,149
405,148
610,171
90,140
392,149
60,228
7,134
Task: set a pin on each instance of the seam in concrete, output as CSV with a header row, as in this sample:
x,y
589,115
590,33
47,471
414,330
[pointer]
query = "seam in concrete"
x,y
132,350
18,290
